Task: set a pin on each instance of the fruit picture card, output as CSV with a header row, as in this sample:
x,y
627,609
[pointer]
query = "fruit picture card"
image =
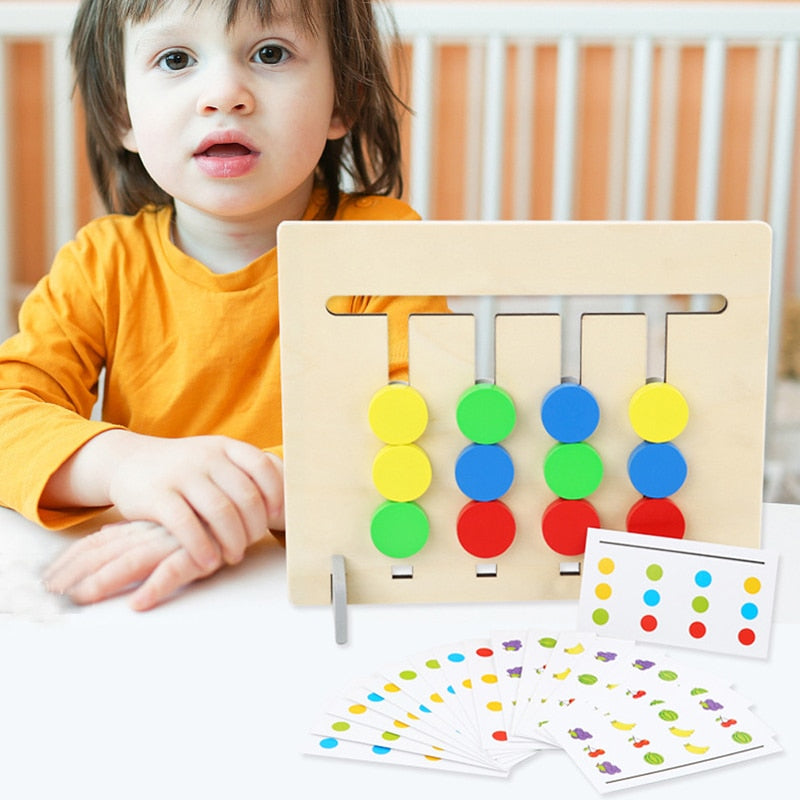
x,y
683,593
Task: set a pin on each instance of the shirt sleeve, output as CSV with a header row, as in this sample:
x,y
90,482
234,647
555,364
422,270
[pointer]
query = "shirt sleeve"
x,y
49,374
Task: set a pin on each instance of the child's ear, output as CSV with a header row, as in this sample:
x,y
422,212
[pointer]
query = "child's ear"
x,y
338,127
128,141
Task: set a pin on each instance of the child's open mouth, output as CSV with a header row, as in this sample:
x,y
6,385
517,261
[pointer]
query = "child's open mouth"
x,y
226,159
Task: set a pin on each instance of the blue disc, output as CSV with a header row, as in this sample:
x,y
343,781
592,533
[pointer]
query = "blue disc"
x,y
484,472
570,413
657,469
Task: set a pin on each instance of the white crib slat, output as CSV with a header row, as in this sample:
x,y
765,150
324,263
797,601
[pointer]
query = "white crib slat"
x,y
664,168
710,129
565,133
493,129
639,130
62,143
617,135
758,174
5,205
781,174
473,133
422,93
523,173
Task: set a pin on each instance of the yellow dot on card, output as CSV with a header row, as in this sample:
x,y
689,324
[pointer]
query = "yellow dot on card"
x,y
398,414
752,585
467,684
489,678
401,472
602,591
411,716
605,566
432,758
357,709
436,698
391,687
398,724
658,412
494,705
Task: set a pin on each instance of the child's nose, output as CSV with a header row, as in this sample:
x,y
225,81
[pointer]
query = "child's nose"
x,y
225,91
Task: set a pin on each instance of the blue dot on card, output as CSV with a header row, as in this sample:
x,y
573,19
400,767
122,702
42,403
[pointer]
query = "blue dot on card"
x,y
455,657
651,597
424,710
703,578
451,690
749,610
374,697
329,743
381,751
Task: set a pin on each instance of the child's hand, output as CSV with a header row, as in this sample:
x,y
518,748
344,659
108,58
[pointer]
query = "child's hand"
x,y
119,556
214,494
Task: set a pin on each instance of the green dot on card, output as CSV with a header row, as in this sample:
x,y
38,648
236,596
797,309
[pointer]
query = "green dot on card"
x,y
654,572
600,616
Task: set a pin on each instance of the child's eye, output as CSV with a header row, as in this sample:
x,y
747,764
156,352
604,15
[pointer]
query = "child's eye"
x,y
175,60
271,54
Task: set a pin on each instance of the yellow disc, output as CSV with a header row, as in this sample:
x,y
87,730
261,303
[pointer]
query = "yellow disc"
x,y
401,472
398,414
658,412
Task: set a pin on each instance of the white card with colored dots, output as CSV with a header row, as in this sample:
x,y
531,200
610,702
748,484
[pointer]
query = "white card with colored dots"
x,y
684,593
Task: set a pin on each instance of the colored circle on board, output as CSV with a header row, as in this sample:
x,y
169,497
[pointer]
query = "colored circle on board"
x,y
703,578
697,630
658,412
486,530
656,470
402,472
752,585
399,530
749,611
398,414
328,743
573,471
570,412
746,637
656,517
648,623
565,523
484,471
485,413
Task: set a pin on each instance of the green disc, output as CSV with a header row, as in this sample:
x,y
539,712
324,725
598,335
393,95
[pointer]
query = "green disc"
x,y
485,413
399,530
573,471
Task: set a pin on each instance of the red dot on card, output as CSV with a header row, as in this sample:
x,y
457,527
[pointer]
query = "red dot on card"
x,y
697,630
484,652
747,636
648,623
500,736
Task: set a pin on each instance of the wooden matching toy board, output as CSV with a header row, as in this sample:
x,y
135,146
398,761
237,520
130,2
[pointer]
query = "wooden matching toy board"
x,y
333,365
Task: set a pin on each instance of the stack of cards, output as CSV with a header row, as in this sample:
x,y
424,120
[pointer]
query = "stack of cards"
x,y
625,713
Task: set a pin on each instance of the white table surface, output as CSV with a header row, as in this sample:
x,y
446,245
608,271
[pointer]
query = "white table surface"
x,y
210,695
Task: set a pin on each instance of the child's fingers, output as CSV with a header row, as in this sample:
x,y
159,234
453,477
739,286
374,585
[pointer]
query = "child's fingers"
x,y
175,571
128,568
266,472
91,552
177,513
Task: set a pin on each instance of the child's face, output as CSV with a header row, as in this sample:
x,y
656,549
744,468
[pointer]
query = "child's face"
x,y
229,120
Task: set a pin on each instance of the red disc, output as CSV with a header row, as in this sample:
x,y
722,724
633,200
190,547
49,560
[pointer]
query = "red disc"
x,y
649,623
746,636
697,630
486,530
656,517
564,525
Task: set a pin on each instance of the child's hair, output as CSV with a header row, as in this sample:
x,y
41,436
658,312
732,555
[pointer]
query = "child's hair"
x,y
369,153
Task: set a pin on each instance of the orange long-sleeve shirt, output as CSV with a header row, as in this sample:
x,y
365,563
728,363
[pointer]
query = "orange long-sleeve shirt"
x,y
186,351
